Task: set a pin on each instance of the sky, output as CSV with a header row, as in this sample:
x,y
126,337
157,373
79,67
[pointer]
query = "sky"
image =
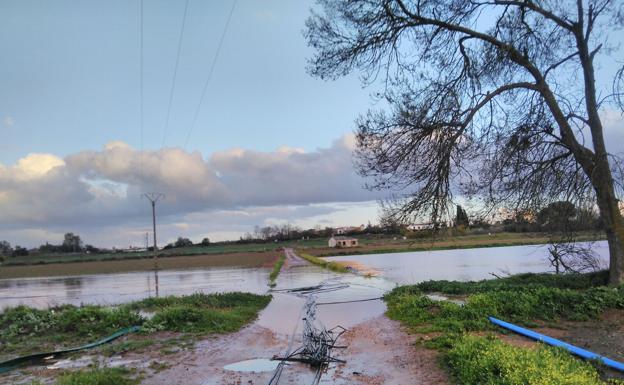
x,y
271,144
71,95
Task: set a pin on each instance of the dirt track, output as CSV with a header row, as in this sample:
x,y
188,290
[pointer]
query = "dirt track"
x,y
378,352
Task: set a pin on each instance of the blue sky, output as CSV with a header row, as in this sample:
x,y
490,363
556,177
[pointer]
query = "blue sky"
x,y
71,76
272,145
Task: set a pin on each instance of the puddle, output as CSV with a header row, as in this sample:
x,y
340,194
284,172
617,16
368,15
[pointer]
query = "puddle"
x,y
78,363
83,362
257,365
440,297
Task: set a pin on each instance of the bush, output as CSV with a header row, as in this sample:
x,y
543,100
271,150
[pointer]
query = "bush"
x,y
479,360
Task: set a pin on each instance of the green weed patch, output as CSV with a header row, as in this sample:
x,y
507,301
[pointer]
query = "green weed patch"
x,y
525,299
480,360
276,270
334,266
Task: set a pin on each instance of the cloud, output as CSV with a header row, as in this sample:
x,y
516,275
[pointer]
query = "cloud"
x,y
101,189
8,121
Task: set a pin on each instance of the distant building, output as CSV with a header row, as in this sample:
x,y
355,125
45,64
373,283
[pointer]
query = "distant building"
x,y
342,242
420,226
349,229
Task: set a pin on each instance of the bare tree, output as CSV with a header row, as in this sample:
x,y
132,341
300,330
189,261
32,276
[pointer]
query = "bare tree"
x,y
492,99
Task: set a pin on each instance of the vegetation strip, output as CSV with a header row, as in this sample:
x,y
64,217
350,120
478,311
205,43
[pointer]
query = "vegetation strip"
x,y
276,270
24,330
524,299
334,266
95,376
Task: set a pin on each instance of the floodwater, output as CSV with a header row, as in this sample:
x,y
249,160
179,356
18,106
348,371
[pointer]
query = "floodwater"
x,y
335,298
109,289
463,264
395,268
255,365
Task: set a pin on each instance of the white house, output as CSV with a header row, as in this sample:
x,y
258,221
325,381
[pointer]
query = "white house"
x,y
420,226
342,242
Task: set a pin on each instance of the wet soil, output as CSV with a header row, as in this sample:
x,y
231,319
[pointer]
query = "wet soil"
x,y
242,259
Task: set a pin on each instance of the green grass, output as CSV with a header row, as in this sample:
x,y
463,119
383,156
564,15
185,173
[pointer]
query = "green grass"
x,y
527,299
563,281
276,270
200,313
480,360
97,376
26,330
334,266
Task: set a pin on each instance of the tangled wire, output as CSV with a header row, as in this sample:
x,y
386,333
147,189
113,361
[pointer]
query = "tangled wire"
x,y
316,347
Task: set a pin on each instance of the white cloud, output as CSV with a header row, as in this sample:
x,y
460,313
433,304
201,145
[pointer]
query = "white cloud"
x,y
232,190
8,121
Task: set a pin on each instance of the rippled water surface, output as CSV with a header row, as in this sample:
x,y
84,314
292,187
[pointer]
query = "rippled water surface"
x,y
463,264
393,269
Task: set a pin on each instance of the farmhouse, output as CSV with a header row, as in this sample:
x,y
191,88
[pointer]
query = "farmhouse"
x,y
342,242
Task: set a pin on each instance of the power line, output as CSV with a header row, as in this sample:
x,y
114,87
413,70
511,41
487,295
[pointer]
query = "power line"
x,y
141,86
210,72
175,74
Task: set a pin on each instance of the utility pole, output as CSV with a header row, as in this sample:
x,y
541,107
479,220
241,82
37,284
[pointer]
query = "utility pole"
x,y
153,198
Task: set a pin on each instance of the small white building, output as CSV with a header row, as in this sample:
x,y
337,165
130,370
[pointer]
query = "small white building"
x,y
342,242
420,226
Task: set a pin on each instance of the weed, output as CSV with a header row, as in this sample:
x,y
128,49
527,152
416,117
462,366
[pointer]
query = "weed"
x,y
563,281
97,376
334,266
480,360
276,270
523,299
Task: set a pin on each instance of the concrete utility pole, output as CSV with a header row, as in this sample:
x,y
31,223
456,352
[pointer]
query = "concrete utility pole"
x,y
153,198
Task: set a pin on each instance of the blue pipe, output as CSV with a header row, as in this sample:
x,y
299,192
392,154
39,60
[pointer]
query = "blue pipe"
x,y
555,342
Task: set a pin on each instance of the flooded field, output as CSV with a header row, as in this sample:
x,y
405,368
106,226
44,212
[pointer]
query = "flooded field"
x,y
106,289
461,264
392,269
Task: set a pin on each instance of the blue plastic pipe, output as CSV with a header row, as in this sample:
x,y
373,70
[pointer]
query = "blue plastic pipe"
x,y
555,342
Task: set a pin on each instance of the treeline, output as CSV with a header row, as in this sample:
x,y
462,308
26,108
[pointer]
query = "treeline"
x,y
71,244
560,216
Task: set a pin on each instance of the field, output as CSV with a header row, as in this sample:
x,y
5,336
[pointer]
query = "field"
x,y
247,255
397,244
251,259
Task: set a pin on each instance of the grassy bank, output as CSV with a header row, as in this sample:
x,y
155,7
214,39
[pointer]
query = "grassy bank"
x,y
530,300
276,270
334,266
26,330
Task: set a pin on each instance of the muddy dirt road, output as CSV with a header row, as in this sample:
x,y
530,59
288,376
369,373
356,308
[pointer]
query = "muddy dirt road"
x,y
378,350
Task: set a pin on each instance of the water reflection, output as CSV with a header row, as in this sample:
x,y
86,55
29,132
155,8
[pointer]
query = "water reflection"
x,y
118,288
463,264
396,268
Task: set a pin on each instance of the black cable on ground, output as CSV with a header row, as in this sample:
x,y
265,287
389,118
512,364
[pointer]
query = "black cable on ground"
x,y
352,301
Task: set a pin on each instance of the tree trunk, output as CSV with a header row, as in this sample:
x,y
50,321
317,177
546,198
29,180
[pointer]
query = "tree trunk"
x,y
614,227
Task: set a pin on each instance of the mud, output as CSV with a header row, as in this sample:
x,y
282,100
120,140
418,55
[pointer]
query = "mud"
x,y
378,350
